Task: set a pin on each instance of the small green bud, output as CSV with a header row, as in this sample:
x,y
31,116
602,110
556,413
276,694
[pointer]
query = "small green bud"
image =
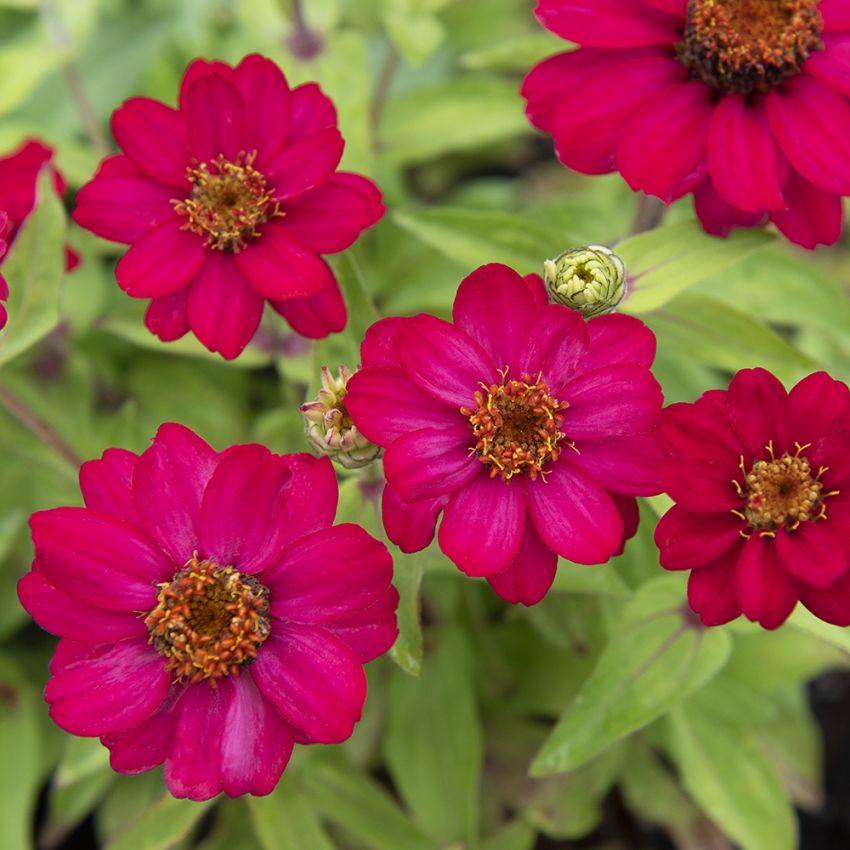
x,y
329,427
591,280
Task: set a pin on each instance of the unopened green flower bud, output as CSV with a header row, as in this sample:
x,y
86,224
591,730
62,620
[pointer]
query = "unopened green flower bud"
x,y
591,280
329,427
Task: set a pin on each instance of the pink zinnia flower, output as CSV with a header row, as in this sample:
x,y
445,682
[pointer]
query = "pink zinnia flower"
x,y
524,425
760,478
227,202
18,177
210,615
5,227
742,102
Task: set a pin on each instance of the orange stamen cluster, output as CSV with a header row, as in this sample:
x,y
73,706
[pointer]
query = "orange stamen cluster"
x,y
781,492
229,201
747,46
209,621
517,426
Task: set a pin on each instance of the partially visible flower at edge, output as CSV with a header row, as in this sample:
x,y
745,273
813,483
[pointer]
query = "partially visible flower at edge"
x,y
742,103
524,425
4,286
210,614
761,481
329,427
227,202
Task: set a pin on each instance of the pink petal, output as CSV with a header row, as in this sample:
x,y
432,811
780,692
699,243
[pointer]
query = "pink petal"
x,y
700,430
832,64
311,111
814,217
155,137
812,124
305,164
145,745
614,400
267,100
66,616
483,525
494,307
256,742
241,511
378,346
443,360
214,111
530,575
317,315
278,267
573,515
836,15
817,403
711,492
314,680
371,631
385,404
110,688
663,151
410,525
162,262
430,462
224,312
717,216
618,339
747,169
628,465
765,591
168,484
711,591
831,604
18,175
123,209
167,316
689,540
758,411
88,555
816,552
367,189
329,574
674,7
328,218
627,507
310,496
198,68
608,23
106,484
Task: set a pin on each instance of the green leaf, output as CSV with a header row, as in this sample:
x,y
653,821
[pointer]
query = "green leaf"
x,y
285,819
600,580
83,757
70,803
407,650
34,269
416,36
23,64
724,770
474,237
515,54
361,807
803,620
654,659
458,114
663,262
161,825
361,309
433,741
516,836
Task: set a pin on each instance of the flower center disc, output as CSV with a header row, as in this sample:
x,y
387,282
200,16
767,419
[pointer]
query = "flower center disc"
x,y
229,201
517,425
209,621
744,46
782,492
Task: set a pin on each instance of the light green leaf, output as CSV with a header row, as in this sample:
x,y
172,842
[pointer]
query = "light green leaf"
x,y
285,819
361,309
34,269
654,659
70,803
162,825
361,807
452,115
407,650
601,580
724,770
516,836
663,262
416,36
803,620
82,758
23,64
433,741
474,237
516,54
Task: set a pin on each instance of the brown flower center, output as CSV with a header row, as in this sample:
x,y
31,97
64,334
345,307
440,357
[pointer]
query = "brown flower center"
x,y
517,425
209,621
747,46
229,201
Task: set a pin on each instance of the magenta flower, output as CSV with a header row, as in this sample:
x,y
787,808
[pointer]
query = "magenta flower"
x,y
5,227
741,102
760,478
524,425
228,202
210,615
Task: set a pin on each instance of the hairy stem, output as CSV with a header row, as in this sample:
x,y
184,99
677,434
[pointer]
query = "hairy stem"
x,y
379,98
